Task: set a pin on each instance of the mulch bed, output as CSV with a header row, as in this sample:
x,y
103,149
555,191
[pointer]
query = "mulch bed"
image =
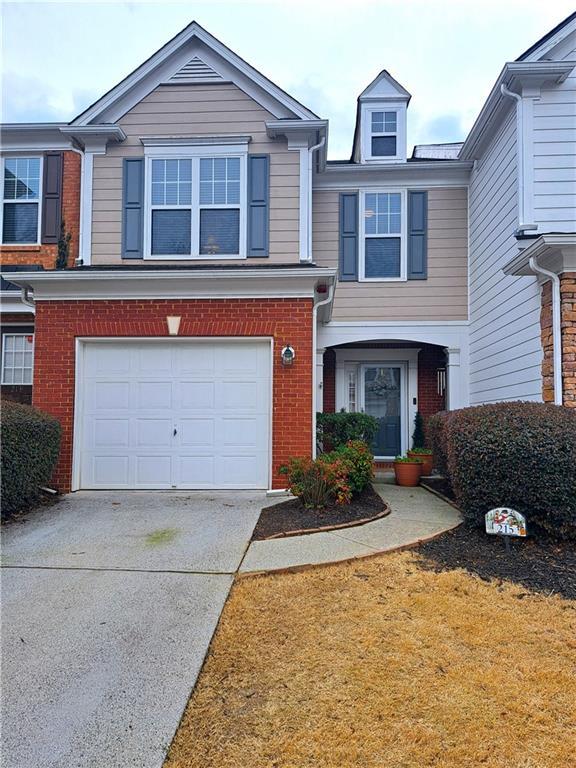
x,y
538,564
440,485
291,518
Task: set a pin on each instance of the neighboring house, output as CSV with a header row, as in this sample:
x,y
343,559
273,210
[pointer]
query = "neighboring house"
x,y
40,172
230,281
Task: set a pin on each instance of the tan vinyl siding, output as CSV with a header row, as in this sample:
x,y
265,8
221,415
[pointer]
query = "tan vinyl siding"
x,y
197,110
443,296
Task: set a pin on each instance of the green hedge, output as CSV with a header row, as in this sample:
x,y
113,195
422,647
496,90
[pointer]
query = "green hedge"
x,y
30,447
436,429
518,454
336,429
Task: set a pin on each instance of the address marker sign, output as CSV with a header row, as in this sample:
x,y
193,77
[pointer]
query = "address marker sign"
x,y
505,522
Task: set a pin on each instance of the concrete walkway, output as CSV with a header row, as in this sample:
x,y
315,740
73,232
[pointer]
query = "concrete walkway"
x,y
416,514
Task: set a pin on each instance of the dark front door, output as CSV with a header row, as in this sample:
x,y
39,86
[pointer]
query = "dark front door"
x,y
382,399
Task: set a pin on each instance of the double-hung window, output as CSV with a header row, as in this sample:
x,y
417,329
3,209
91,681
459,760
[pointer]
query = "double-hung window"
x,y
197,206
17,358
21,190
384,134
383,246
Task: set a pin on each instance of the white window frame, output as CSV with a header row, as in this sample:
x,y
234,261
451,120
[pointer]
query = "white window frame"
x,y
15,383
195,153
22,156
400,133
403,236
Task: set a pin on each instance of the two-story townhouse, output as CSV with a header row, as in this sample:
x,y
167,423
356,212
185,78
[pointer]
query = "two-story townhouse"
x,y
231,281
41,169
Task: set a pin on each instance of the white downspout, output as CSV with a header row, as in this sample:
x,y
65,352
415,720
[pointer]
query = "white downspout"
x,y
556,327
80,202
327,300
25,296
310,167
520,156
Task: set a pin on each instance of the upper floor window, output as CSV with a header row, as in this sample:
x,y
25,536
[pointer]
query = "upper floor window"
x,y
383,134
383,236
20,210
197,206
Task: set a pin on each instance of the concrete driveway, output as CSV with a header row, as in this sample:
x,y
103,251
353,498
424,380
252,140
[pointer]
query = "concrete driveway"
x,y
109,603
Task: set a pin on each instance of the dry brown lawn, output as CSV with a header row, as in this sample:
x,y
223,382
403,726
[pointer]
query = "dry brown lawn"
x,y
380,663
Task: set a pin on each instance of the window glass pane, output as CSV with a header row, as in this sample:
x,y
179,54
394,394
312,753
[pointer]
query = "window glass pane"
x,y
390,122
27,379
20,223
220,181
382,213
377,122
171,182
219,231
18,358
22,178
382,257
171,232
383,146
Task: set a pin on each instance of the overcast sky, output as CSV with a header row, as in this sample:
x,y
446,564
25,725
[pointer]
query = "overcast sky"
x,y
57,58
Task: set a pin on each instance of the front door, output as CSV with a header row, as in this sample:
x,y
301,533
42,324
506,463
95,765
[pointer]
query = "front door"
x,y
381,394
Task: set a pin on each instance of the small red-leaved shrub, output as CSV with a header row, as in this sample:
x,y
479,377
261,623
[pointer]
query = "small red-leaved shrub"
x,y
318,483
520,455
359,462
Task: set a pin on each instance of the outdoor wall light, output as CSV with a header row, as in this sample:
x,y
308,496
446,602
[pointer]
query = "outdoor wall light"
x,y
288,355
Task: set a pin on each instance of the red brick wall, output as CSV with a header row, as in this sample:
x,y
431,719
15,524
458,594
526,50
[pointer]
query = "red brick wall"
x,y
568,324
286,320
46,254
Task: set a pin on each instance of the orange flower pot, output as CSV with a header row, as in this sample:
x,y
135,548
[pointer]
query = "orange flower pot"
x,y
427,461
407,473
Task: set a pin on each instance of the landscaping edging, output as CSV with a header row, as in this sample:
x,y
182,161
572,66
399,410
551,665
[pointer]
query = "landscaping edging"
x,y
324,528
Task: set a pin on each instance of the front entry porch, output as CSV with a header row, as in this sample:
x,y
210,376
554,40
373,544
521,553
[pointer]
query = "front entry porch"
x,y
391,381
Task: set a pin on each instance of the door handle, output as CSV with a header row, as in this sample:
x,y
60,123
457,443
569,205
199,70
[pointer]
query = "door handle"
x,y
175,432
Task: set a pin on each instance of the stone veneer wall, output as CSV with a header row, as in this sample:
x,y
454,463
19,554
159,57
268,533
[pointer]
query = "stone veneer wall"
x,y
568,322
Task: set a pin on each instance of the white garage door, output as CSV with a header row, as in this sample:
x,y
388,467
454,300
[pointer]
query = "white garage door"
x,y
174,414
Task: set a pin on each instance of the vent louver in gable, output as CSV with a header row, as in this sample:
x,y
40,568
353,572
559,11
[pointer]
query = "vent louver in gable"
x,y
195,71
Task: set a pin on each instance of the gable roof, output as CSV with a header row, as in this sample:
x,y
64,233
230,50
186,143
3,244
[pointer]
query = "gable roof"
x,y
193,55
550,39
384,86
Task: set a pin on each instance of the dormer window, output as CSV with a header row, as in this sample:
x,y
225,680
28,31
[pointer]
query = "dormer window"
x,y
384,129
380,135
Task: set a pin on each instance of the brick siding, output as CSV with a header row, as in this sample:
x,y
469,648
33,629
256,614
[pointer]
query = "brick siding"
x,y
58,323
46,254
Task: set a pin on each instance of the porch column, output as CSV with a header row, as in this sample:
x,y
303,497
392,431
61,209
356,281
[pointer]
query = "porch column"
x,y
454,384
320,378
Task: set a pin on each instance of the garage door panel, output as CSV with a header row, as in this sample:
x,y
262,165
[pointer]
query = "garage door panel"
x,y
197,395
107,432
175,415
196,470
108,395
155,470
151,433
197,432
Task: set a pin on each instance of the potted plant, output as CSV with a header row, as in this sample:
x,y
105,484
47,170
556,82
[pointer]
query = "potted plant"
x,y
407,470
419,451
426,456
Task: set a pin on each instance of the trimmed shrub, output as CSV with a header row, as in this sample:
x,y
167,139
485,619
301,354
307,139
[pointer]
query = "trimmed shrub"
x,y
336,429
30,448
437,440
318,483
359,462
418,436
518,454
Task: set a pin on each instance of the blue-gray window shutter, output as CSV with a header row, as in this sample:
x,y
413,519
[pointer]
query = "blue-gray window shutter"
x,y
417,235
258,205
133,208
52,197
348,261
